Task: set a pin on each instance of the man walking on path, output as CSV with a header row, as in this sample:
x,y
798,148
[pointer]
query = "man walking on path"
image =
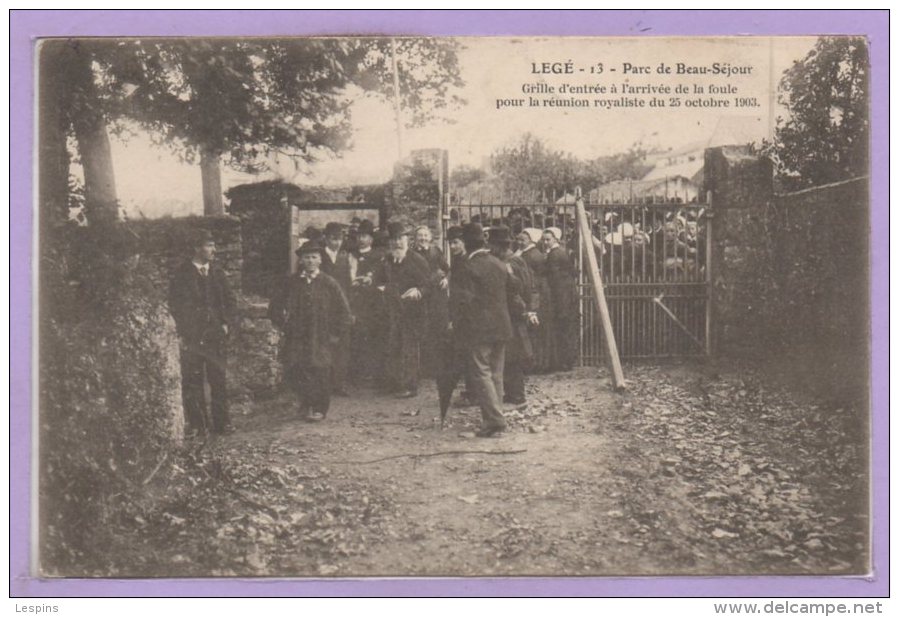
x,y
204,309
484,326
313,312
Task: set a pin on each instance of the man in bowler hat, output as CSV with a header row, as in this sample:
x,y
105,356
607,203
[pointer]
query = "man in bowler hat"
x,y
403,279
314,314
204,309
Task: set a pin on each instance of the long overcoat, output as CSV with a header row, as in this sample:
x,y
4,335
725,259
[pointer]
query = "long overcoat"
x,y
328,321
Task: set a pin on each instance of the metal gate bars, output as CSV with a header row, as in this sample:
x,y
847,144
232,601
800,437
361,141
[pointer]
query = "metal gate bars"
x,y
653,259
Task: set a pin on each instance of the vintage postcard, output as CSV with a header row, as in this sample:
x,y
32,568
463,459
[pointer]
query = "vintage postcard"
x,y
452,306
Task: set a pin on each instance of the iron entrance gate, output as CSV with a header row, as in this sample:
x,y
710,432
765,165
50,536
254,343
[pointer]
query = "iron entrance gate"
x,y
653,258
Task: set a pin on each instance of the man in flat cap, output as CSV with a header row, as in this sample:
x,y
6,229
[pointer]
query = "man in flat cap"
x,y
403,278
314,315
336,264
204,309
484,326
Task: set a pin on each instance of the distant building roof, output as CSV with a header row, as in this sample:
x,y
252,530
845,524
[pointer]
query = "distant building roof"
x,y
637,189
691,170
729,131
686,149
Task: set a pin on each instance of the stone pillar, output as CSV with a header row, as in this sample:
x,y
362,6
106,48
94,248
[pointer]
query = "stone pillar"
x,y
741,185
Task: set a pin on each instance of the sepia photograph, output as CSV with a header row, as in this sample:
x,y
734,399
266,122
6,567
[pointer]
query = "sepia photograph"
x,y
415,306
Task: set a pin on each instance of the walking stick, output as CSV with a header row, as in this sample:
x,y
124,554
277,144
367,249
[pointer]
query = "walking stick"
x,y
599,294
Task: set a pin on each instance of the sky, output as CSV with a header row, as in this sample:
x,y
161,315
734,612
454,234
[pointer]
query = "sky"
x,y
152,182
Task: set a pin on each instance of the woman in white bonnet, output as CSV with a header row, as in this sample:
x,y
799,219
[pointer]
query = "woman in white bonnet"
x,y
561,309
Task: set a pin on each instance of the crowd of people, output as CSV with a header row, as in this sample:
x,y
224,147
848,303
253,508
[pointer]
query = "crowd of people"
x,y
389,308
386,308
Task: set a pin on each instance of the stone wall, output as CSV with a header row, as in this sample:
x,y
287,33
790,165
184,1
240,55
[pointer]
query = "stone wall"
x,y
790,273
741,187
821,265
264,211
164,244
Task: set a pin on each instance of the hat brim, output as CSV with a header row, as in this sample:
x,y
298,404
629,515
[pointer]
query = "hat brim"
x,y
303,251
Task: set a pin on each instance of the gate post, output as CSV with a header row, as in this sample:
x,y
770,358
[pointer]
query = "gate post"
x,y
586,236
741,185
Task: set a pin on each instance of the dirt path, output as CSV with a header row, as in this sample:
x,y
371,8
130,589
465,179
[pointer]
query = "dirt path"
x,y
549,506
689,472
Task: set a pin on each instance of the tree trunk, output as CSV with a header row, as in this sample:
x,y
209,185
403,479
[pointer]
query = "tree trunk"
x,y
53,156
101,201
211,173
100,197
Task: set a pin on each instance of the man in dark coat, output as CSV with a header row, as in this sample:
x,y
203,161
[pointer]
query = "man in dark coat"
x,y
336,264
403,279
366,303
204,309
484,326
437,305
314,314
519,353
562,306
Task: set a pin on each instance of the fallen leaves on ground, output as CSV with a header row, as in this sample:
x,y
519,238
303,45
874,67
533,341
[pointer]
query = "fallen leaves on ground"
x,y
236,512
766,475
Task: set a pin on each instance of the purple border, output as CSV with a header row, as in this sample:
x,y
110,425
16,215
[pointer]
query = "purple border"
x,y
27,25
